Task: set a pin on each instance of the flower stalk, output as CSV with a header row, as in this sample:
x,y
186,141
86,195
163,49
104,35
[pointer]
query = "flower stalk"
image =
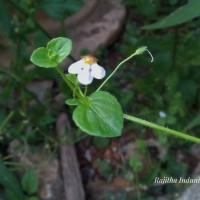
x,y
139,51
67,81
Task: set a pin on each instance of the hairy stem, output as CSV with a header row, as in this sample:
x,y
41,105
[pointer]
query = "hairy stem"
x,y
161,128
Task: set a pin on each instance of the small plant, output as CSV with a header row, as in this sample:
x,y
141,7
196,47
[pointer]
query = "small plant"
x,y
13,189
100,113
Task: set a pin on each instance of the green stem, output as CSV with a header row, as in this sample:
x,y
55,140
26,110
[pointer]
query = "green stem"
x,y
161,128
86,89
74,91
67,81
3,124
118,66
139,51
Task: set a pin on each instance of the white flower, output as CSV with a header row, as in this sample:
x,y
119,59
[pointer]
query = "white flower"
x,y
162,114
87,69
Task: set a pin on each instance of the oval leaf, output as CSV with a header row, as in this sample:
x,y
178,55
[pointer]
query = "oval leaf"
x,y
10,184
60,47
40,58
193,123
101,116
30,182
11,195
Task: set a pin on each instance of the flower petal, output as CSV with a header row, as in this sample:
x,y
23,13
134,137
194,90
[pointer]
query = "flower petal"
x,y
97,71
75,68
84,77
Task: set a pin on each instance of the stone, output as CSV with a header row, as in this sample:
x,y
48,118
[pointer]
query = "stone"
x,y
191,193
99,22
195,151
100,27
72,181
197,170
47,170
51,185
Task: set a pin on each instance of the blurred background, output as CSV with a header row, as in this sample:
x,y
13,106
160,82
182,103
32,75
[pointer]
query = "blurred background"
x,y
43,155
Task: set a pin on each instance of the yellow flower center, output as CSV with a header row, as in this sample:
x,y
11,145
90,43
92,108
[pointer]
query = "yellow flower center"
x,y
88,59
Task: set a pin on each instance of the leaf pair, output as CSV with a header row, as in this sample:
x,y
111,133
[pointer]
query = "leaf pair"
x,y
54,53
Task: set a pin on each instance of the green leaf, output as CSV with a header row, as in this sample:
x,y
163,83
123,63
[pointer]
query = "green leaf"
x,y
177,105
152,174
135,163
193,123
141,146
40,58
55,52
32,198
179,16
101,142
60,48
46,119
173,2
10,184
30,182
104,166
172,82
71,102
10,195
101,115
189,90
60,9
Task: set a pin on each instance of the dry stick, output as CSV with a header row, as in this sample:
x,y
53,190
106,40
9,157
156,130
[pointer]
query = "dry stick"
x,y
70,169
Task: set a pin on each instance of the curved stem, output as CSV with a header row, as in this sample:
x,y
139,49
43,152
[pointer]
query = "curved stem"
x,y
67,81
161,128
118,66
